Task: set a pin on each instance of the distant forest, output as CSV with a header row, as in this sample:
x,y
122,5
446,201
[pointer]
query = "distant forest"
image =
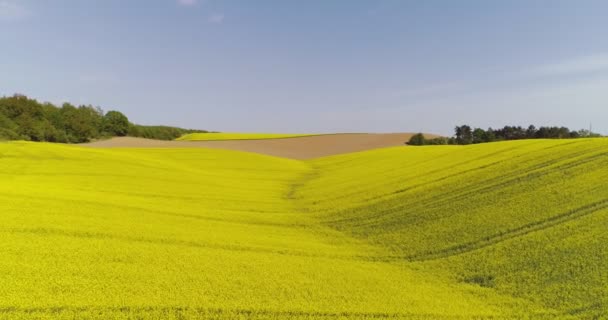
x,y
22,118
464,135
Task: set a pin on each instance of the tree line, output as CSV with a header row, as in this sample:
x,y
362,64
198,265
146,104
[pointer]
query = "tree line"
x,y
22,118
465,134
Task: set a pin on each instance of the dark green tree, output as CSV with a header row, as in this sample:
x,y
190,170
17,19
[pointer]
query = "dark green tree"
x,y
479,136
458,134
531,132
116,124
417,140
464,134
27,119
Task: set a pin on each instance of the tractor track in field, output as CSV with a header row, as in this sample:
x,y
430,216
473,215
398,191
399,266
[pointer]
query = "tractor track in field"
x,y
485,186
567,162
471,170
521,231
346,196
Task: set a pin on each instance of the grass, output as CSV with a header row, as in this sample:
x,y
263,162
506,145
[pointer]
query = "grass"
x,y
218,136
503,230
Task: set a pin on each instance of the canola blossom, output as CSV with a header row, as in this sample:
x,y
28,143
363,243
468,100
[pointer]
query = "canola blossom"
x,y
502,230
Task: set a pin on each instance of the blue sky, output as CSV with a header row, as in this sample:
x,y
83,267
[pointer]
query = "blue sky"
x,y
314,66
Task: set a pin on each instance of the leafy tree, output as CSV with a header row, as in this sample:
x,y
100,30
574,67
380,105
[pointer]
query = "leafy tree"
x,y
531,132
458,134
417,140
116,124
490,135
7,128
159,132
29,128
420,140
438,141
27,119
583,133
76,124
479,135
464,134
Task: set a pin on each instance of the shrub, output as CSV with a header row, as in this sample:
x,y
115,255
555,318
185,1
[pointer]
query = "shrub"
x,y
417,140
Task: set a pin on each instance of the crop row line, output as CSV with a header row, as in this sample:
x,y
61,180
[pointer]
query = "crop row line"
x,y
486,186
511,234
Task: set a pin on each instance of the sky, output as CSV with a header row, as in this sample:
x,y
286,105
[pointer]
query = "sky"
x,y
314,66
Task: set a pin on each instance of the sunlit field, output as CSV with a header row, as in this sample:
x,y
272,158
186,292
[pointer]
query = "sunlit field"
x,y
212,136
499,230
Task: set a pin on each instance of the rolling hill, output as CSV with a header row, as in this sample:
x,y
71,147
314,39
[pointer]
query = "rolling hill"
x,y
215,136
502,230
294,147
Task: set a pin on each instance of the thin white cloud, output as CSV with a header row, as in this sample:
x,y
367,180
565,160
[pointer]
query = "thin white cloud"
x,y
580,65
12,11
187,3
216,18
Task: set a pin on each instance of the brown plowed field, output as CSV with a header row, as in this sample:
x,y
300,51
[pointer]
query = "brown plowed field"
x,y
295,148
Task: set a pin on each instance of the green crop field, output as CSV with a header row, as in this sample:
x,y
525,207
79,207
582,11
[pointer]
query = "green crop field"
x,y
502,230
213,136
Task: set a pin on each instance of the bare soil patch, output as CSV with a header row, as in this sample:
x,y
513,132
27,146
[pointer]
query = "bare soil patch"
x,y
295,148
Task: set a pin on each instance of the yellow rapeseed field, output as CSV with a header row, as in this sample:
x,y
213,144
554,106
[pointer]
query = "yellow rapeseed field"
x,y
502,230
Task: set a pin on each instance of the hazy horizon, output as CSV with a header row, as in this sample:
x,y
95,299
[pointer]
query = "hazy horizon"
x,y
316,66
